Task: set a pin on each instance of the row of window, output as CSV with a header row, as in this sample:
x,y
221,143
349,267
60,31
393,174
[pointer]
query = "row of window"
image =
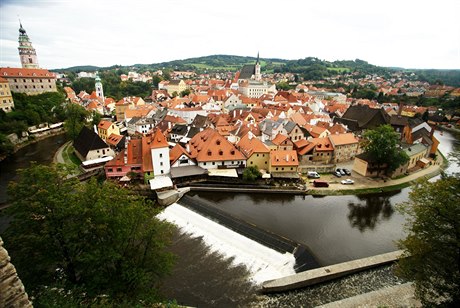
x,y
33,80
33,87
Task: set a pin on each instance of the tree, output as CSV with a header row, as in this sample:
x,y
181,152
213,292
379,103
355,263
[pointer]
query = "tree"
x,y
186,92
250,174
96,237
431,256
75,120
381,144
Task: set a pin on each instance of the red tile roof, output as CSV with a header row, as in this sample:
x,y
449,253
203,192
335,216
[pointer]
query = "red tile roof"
x,y
283,158
26,72
158,140
209,145
135,152
250,144
176,152
104,124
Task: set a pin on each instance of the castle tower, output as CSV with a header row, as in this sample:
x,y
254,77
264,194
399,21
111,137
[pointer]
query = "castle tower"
x,y
257,75
26,51
99,89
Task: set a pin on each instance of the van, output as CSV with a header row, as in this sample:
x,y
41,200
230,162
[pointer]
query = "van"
x,y
318,183
313,175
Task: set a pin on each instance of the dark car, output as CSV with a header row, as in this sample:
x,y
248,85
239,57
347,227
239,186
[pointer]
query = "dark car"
x,y
319,183
347,172
337,174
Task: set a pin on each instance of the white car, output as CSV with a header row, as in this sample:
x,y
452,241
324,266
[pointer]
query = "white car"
x,y
347,182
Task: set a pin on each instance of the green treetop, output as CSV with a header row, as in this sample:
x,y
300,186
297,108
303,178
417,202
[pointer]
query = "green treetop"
x,y
382,146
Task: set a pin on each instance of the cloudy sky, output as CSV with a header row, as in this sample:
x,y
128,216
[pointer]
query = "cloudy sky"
x,y
401,33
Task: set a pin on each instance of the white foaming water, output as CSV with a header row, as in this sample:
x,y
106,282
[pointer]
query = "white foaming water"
x,y
262,262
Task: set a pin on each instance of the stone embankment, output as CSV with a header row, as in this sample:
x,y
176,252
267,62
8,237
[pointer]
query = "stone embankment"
x,y
323,274
12,292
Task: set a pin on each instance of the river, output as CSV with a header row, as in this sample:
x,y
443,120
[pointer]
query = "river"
x,y
335,228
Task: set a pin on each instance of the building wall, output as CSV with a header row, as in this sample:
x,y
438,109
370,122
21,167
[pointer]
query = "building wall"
x,y
360,166
120,111
116,171
96,154
225,164
160,161
345,152
181,162
31,86
325,157
260,160
6,100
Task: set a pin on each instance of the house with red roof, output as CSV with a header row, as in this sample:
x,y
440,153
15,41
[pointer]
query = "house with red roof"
x,y
212,150
159,150
31,81
346,146
283,142
106,128
283,162
323,151
256,152
179,157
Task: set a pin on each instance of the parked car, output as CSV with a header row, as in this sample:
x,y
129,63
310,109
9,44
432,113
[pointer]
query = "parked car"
x,y
319,183
347,182
342,171
347,172
313,175
337,174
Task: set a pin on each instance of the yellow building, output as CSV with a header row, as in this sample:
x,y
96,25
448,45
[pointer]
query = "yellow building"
x,y
176,86
255,151
106,128
6,100
282,161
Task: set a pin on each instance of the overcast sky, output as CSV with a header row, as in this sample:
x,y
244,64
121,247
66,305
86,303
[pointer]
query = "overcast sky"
x,y
400,33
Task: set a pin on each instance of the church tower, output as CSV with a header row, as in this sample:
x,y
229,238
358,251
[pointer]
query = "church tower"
x,y
99,89
26,51
257,75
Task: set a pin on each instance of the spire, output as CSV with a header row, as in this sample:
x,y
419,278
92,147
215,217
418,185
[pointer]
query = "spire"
x,y
27,52
21,29
257,58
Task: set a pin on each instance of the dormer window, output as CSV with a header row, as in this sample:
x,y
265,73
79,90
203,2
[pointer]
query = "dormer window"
x,y
232,152
209,153
20,74
221,152
218,142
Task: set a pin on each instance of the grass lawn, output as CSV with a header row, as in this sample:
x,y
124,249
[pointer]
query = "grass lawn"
x,y
69,156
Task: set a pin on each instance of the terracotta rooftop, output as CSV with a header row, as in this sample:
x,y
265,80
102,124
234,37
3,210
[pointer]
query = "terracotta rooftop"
x,y
343,139
26,72
250,144
281,158
209,145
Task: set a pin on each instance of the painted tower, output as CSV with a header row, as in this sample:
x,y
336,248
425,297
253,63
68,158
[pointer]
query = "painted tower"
x,y
257,75
99,89
159,150
26,51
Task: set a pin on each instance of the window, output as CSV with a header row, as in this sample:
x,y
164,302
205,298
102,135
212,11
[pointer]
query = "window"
x,y
162,172
276,168
161,155
252,162
213,163
109,170
118,169
161,163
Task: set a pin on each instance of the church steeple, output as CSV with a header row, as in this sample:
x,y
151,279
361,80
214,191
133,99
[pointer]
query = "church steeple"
x,y
27,53
257,75
99,88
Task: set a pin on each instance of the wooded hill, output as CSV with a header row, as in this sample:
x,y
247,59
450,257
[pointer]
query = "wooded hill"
x,y
309,68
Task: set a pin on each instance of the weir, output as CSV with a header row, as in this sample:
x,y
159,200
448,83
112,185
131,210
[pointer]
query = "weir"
x,y
304,259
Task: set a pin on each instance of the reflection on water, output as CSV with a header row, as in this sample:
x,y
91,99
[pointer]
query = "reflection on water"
x,y
370,210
